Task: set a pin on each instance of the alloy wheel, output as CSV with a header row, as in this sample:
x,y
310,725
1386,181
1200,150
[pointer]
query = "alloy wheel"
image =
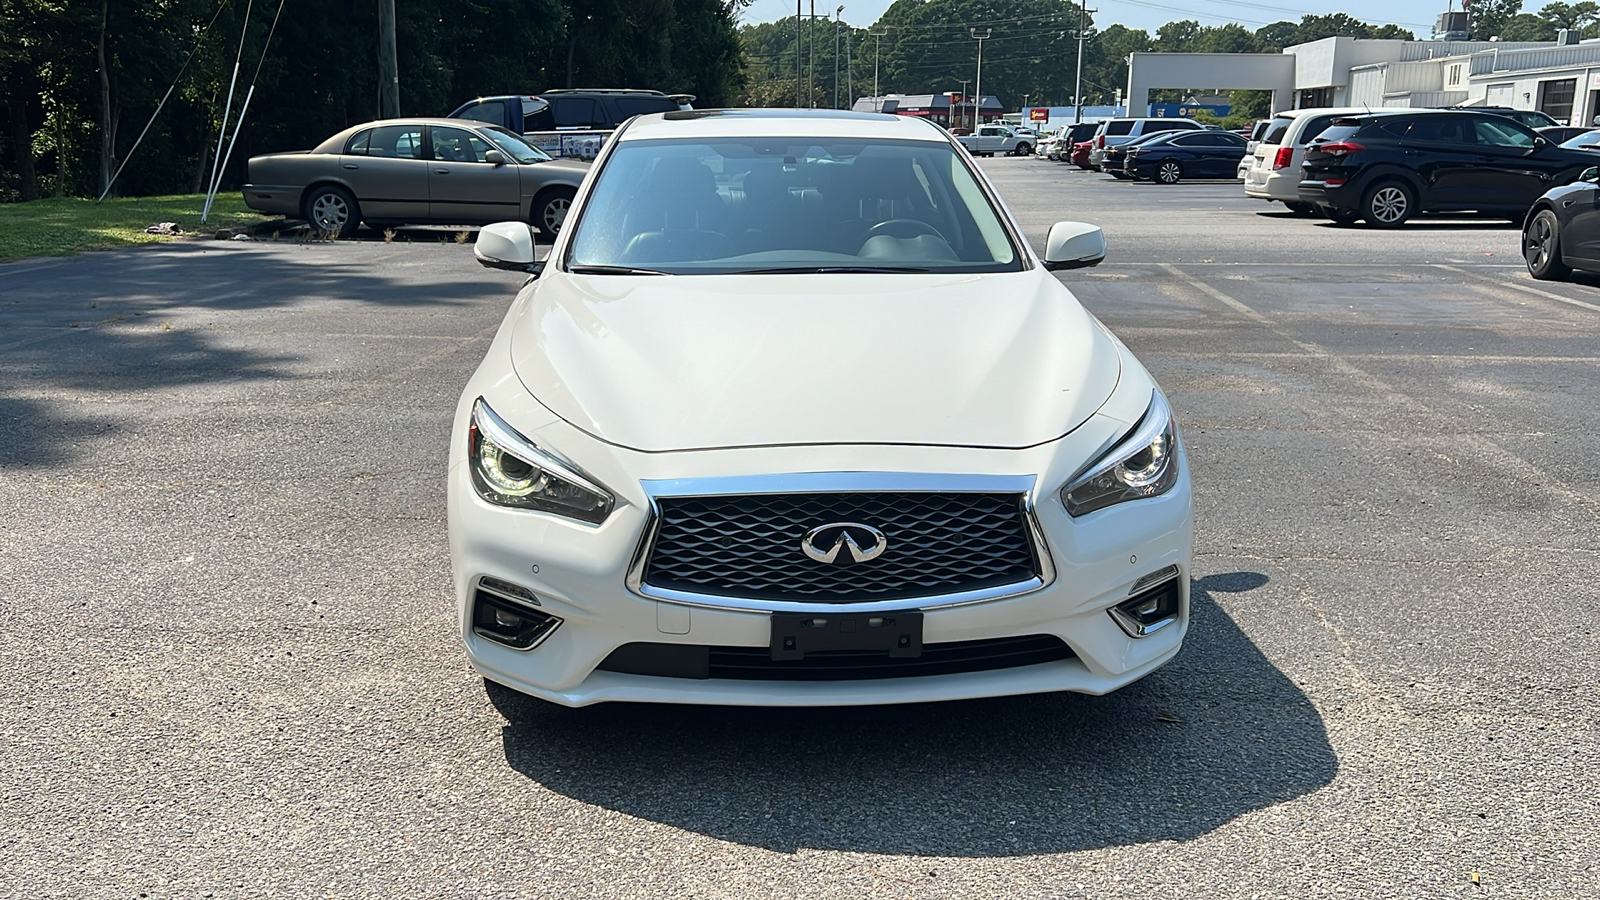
x,y
330,212
1169,173
555,213
1538,244
1389,205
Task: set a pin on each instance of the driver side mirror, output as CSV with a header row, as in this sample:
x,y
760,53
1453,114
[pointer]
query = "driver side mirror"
x,y
1540,143
1074,245
1591,175
509,246
494,158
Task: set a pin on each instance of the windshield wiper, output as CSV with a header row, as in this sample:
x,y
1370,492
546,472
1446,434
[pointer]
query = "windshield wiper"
x,y
828,270
610,270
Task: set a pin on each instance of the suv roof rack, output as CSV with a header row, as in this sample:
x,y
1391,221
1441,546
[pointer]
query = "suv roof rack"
x,y
605,91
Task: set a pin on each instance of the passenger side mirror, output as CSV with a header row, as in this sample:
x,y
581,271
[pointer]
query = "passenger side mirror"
x,y
495,157
1591,175
507,245
1540,143
1074,245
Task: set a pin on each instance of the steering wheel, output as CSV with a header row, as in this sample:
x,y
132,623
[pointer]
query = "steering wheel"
x,y
904,229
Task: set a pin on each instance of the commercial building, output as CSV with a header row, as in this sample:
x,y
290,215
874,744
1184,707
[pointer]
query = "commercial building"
x,y
950,110
1561,78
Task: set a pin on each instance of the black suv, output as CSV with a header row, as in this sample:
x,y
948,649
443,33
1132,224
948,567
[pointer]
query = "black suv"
x,y
569,122
1385,168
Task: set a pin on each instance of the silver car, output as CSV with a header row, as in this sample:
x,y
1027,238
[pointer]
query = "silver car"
x,y
416,171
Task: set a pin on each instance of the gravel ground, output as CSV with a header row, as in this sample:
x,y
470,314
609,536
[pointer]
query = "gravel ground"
x,y
232,672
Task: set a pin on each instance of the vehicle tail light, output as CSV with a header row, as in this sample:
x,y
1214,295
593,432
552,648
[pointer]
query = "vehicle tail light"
x,y
1100,141
1341,148
1284,156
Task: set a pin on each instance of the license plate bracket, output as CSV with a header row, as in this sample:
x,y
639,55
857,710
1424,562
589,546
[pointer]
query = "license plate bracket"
x,y
898,634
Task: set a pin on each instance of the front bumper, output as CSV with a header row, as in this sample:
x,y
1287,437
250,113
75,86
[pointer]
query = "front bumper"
x,y
579,574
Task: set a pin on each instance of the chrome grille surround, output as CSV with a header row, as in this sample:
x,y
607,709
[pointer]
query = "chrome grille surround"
x,y
850,483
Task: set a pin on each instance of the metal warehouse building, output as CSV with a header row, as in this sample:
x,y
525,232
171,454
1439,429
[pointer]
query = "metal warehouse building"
x,y
1561,78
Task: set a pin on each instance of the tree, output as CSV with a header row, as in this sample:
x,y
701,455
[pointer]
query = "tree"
x,y
1489,17
1528,27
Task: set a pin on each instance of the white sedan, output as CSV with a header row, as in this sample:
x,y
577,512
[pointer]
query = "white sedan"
x,y
793,415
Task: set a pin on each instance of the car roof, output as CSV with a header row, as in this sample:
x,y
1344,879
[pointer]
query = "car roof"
x,y
830,123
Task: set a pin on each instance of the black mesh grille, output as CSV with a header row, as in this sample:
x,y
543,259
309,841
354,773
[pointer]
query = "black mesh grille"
x,y
749,546
756,663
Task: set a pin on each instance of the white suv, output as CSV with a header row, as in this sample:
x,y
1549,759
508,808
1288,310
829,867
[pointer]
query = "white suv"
x,y
1274,172
1113,132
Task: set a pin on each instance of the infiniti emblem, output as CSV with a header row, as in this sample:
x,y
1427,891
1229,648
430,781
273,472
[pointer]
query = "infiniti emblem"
x,y
824,542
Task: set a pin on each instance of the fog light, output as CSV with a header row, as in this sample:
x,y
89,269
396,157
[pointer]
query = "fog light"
x,y
510,623
1150,610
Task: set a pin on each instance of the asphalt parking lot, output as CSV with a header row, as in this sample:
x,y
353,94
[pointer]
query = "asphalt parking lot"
x,y
232,669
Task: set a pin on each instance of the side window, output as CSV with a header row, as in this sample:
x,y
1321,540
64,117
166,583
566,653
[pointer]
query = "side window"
x,y
1119,126
1438,130
1314,126
541,120
491,111
398,141
1192,140
1394,127
358,143
458,145
628,107
1276,131
1501,134
577,112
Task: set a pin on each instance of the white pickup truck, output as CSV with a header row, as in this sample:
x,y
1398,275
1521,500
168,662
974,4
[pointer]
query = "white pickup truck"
x,y
992,139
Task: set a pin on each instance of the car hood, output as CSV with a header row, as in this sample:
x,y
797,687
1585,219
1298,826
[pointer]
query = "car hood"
x,y
660,363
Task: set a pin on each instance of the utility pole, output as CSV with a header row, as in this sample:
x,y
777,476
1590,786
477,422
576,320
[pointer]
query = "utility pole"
x,y
877,39
964,83
977,107
836,19
1077,88
849,75
388,63
811,57
798,35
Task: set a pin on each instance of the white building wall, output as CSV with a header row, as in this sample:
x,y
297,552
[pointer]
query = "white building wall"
x,y
1367,85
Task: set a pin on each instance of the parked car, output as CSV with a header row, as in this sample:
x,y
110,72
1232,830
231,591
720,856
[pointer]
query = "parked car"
x,y
1589,140
569,123
1529,118
1112,132
1080,154
415,171
992,139
1171,157
707,527
1048,142
1562,230
1386,168
1560,134
1076,133
1280,151
1113,158
1256,133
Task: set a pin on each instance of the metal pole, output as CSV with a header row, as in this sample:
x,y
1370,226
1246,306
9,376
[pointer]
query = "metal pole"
x,y
836,55
211,195
798,35
977,106
959,118
811,57
388,63
1077,89
849,74
877,39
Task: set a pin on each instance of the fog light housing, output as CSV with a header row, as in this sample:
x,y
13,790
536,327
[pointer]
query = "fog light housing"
x,y
1149,610
506,621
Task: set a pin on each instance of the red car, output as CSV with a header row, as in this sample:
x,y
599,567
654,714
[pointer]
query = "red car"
x,y
1080,154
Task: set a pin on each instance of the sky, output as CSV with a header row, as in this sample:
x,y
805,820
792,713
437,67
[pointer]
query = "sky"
x,y
1416,15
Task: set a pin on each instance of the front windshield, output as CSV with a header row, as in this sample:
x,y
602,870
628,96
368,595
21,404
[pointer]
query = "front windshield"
x,y
768,205
515,147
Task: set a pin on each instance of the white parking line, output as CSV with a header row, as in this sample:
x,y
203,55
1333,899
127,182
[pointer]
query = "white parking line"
x,y
1523,288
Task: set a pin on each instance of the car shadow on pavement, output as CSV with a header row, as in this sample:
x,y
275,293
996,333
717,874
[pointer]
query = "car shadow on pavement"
x,y
1216,734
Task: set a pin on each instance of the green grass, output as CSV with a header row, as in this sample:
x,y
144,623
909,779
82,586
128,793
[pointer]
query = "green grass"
x,y
61,226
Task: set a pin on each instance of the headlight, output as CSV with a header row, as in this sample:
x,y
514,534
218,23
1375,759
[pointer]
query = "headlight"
x,y
1143,464
508,470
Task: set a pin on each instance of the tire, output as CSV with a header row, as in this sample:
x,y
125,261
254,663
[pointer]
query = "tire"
x,y
1301,209
1024,149
1169,172
550,209
1541,247
330,209
1388,204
